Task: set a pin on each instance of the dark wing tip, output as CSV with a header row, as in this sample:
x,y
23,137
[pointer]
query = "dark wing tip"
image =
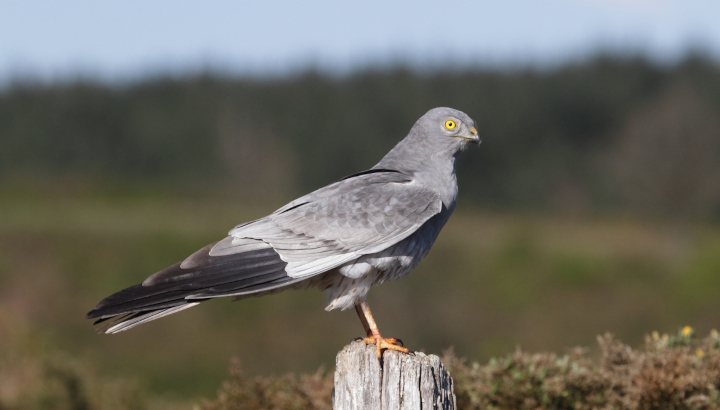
x,y
206,277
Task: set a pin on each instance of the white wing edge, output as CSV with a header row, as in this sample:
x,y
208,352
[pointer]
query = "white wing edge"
x,y
123,326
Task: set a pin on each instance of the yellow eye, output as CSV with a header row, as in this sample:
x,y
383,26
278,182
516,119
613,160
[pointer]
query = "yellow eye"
x,y
450,124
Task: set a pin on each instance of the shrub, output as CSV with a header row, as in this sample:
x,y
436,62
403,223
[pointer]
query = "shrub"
x,y
311,392
668,372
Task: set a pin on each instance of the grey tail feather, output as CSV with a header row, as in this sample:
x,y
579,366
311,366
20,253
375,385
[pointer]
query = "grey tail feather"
x,y
120,323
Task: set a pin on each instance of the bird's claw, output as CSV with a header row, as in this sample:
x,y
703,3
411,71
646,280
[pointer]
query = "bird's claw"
x,y
382,343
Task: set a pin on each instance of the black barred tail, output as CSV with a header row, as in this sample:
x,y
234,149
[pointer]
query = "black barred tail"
x,y
231,267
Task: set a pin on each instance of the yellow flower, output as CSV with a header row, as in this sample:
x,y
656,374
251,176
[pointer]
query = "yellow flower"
x,y
714,333
699,352
655,335
686,331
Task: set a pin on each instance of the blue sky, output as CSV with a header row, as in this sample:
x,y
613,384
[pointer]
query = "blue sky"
x,y
118,40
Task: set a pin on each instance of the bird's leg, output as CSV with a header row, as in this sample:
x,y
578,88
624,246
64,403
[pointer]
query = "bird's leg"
x,y
373,334
361,315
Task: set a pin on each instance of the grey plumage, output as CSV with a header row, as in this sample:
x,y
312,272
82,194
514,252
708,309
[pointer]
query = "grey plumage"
x,y
361,230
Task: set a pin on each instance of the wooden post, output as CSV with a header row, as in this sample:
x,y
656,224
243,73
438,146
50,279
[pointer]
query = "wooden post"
x,y
398,382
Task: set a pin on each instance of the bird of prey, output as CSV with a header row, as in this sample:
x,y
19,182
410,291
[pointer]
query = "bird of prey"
x,y
361,230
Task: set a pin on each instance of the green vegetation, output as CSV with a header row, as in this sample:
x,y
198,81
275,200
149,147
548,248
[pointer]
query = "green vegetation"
x,y
667,372
592,206
492,281
35,375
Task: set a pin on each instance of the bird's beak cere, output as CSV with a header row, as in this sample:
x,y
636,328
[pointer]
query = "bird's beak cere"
x,y
473,137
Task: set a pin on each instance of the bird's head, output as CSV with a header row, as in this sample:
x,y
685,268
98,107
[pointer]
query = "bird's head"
x,y
437,136
449,126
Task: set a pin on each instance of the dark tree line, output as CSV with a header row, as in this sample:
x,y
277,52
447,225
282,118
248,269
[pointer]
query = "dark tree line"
x,y
606,134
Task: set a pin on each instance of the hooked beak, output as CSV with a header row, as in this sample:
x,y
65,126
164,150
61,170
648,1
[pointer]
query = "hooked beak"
x,y
474,137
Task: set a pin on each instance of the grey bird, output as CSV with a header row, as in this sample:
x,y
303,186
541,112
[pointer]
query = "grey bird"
x,y
359,231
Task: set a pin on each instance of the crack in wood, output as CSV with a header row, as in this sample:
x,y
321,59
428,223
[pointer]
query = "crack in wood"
x,y
397,382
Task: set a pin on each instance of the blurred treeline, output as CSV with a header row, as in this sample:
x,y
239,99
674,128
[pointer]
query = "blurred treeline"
x,y
608,134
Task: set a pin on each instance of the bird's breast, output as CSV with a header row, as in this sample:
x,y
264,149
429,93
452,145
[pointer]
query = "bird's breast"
x,y
399,259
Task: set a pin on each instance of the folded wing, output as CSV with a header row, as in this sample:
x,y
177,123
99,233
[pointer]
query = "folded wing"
x,y
362,214
316,236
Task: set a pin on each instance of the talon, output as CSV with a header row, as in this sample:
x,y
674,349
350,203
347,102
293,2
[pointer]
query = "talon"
x,y
373,334
385,344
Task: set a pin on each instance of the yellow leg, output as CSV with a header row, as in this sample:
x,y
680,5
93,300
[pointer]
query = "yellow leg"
x,y
373,334
361,315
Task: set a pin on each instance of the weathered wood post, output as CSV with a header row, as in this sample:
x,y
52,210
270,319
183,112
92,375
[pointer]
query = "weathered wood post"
x,y
399,382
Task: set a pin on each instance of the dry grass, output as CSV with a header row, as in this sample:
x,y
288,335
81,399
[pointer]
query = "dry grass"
x,y
491,282
669,372
36,376
310,392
